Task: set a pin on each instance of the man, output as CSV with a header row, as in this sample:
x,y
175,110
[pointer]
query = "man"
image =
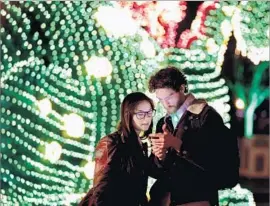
x,y
191,146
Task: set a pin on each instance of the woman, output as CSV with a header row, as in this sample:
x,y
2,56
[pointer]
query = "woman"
x,y
120,177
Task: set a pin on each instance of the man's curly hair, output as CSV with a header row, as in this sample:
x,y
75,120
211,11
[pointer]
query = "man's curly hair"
x,y
169,77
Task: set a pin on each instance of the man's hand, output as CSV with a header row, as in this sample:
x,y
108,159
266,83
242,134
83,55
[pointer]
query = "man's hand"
x,y
158,152
165,140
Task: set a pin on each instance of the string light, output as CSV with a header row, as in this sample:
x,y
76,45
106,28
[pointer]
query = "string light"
x,y
252,42
45,107
53,151
148,48
74,125
98,66
240,104
237,196
46,71
46,79
160,19
107,16
89,170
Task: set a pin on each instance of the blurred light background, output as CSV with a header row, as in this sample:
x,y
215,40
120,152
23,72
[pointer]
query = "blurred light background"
x,y
66,66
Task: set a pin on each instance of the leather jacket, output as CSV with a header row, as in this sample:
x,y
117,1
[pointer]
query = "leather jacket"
x,y
121,173
188,175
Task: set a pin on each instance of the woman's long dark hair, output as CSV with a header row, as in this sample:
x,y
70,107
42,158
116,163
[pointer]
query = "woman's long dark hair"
x,y
127,110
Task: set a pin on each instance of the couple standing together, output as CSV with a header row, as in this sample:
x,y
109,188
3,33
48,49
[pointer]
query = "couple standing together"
x,y
188,157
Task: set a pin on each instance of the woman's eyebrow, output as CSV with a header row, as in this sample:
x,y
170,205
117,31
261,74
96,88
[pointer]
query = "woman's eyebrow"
x,y
144,110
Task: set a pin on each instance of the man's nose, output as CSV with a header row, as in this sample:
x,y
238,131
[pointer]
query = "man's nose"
x,y
165,103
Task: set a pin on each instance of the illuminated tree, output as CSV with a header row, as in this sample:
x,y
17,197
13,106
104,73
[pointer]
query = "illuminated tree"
x,y
199,52
250,93
250,23
66,66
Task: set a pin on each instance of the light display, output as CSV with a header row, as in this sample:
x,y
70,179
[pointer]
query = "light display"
x,y
251,29
45,107
73,125
250,23
53,151
250,94
159,18
66,67
237,196
65,71
198,52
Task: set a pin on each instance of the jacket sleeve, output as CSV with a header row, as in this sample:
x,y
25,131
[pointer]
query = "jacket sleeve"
x,y
203,150
222,142
156,169
106,154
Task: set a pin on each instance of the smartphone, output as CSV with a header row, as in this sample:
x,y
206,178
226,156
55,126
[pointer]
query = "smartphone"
x,y
153,137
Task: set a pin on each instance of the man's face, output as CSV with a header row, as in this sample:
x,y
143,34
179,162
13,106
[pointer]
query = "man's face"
x,y
170,99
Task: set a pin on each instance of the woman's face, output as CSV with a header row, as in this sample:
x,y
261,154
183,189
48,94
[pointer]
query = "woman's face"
x,y
142,116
